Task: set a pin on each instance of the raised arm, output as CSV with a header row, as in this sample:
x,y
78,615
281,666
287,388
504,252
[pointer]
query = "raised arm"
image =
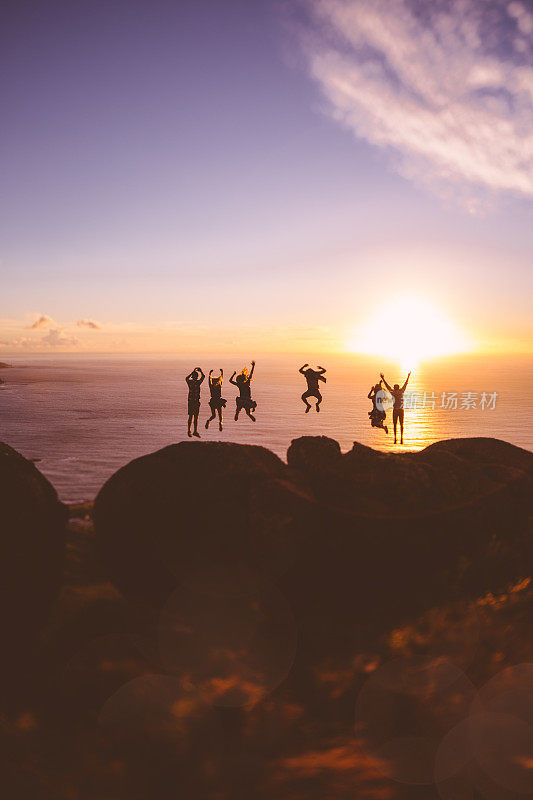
x,y
404,387
371,393
321,370
302,369
385,382
231,379
209,378
202,375
252,371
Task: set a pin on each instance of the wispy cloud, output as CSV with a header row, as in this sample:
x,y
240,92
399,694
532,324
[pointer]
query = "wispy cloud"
x,y
41,322
22,342
447,85
88,323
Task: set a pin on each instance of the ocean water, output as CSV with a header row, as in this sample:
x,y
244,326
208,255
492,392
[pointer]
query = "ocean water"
x,y
81,417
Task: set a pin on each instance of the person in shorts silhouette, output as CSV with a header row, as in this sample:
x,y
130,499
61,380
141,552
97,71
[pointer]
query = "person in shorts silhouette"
x,y
194,381
312,376
244,398
397,393
216,402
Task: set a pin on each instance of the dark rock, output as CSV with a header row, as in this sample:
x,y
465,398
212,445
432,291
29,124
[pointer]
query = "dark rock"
x,y
356,539
441,477
485,451
401,532
192,505
314,453
97,670
32,551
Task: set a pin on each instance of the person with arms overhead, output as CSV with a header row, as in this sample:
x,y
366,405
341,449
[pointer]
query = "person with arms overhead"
x,y
194,381
312,376
397,408
216,402
244,398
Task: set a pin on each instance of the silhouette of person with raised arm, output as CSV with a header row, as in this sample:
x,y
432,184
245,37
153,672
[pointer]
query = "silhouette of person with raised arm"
x,y
397,408
194,381
312,376
244,398
378,413
216,402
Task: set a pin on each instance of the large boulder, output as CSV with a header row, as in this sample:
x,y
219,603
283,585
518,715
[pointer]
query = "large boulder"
x,y
32,547
484,451
192,505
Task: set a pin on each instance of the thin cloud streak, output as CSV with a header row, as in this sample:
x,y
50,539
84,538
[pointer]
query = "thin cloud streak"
x,y
448,86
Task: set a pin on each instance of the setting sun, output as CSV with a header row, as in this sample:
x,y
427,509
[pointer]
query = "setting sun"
x,y
408,330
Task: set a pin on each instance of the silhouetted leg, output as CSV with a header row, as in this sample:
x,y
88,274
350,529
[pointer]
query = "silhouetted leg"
x,y
237,412
249,412
401,426
318,401
195,418
219,419
189,421
395,423
211,418
304,398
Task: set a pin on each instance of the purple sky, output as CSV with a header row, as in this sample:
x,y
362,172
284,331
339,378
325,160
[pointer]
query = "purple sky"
x,y
213,173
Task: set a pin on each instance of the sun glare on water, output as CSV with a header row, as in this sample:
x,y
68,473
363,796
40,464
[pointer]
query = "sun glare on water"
x,y
408,330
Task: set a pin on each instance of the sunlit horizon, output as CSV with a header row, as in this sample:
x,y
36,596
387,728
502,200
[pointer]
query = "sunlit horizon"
x,y
282,202
409,329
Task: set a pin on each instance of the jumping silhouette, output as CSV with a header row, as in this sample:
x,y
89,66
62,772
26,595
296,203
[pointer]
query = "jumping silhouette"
x,y
217,402
194,381
312,377
244,399
378,413
397,408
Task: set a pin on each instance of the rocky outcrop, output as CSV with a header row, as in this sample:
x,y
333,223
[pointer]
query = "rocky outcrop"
x,y
249,681
339,531
192,505
32,546
446,475
401,531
